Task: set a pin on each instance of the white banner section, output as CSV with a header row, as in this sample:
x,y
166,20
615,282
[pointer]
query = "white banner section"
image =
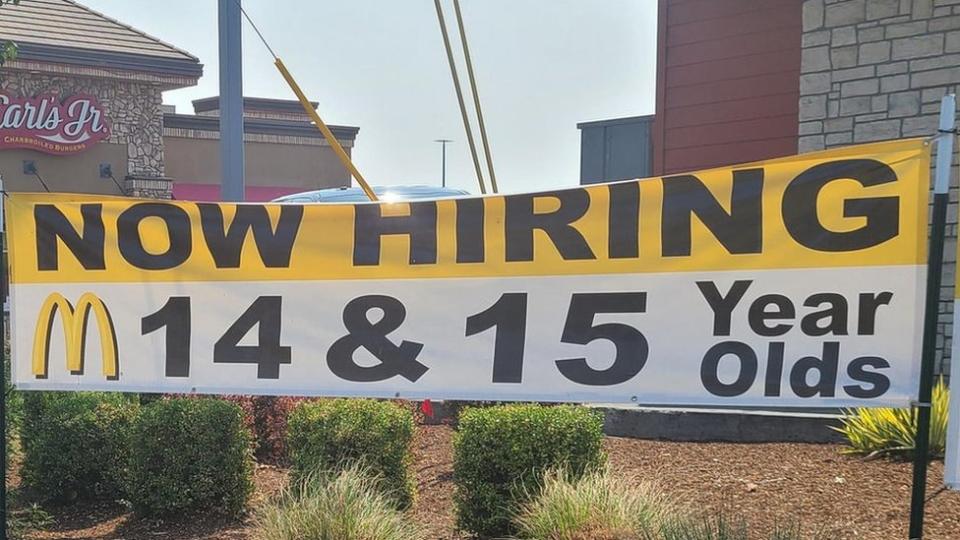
x,y
792,337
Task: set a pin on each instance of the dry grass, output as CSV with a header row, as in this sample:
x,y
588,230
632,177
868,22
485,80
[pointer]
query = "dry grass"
x,y
597,506
346,505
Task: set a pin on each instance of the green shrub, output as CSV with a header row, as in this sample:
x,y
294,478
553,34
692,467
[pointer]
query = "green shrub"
x,y
501,453
13,410
14,418
190,454
597,505
330,434
76,444
345,505
266,418
894,431
269,415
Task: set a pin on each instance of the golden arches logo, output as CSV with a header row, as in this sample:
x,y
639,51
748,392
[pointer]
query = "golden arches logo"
x,y
75,321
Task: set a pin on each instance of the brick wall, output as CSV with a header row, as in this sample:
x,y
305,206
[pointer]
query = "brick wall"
x,y
876,69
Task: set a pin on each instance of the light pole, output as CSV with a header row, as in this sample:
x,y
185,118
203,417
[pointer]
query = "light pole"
x,y
443,162
231,102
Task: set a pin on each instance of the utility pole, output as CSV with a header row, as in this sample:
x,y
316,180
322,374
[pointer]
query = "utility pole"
x,y
443,160
232,184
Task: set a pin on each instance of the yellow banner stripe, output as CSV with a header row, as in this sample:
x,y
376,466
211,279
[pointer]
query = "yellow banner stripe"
x,y
325,243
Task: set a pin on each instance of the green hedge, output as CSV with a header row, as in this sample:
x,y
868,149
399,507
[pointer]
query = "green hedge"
x,y
13,410
190,454
500,454
76,444
331,434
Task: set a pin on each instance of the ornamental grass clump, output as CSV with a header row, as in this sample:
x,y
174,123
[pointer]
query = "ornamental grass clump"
x,y
349,504
601,506
598,506
723,527
719,527
893,432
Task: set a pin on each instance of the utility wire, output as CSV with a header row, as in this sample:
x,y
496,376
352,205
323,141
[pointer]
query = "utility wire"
x,y
255,29
116,183
476,98
42,183
463,107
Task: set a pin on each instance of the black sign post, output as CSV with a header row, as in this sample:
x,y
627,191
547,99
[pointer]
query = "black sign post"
x,y
3,371
941,198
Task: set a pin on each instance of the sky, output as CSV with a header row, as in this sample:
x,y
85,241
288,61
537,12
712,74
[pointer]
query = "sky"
x,y
542,66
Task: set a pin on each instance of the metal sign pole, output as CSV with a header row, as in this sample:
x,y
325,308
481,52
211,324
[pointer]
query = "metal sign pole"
x,y
941,197
3,371
951,467
443,160
232,183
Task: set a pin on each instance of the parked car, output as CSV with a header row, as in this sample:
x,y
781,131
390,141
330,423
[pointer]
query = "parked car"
x,y
385,193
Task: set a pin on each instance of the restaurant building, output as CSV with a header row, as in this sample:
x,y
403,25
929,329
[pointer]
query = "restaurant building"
x,y
81,111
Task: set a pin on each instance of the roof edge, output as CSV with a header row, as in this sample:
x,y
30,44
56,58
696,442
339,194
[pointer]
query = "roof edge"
x,y
617,121
104,59
212,103
261,126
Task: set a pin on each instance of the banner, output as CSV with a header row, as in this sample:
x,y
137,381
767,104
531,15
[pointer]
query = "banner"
x,y
794,282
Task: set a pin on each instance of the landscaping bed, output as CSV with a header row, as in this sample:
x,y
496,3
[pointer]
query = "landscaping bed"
x,y
765,483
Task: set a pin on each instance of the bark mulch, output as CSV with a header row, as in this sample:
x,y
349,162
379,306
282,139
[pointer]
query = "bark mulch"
x,y
767,484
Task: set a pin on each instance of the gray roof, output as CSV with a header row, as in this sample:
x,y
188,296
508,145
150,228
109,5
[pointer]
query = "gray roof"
x,y
262,126
253,104
69,25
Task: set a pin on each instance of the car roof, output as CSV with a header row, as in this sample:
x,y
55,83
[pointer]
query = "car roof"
x,y
386,193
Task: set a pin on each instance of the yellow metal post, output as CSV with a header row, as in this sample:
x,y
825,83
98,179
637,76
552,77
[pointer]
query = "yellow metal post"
x,y
331,140
476,97
456,86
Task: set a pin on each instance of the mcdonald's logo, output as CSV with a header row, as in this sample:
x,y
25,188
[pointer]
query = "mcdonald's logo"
x,y
75,321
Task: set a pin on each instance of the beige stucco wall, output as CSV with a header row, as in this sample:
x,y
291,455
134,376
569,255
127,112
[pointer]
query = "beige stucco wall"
x,y
267,164
79,173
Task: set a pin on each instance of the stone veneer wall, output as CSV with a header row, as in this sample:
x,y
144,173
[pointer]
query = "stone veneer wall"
x,y
132,107
876,69
152,187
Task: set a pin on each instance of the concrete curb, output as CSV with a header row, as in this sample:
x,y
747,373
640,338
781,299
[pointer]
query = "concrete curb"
x,y
702,425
